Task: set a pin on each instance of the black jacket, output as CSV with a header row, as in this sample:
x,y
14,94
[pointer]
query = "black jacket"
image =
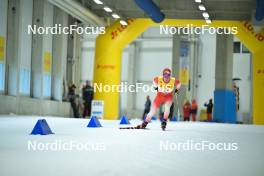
x,y
209,107
87,93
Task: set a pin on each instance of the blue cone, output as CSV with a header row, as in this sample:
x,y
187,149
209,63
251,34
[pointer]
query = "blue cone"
x,y
94,123
41,128
124,121
174,119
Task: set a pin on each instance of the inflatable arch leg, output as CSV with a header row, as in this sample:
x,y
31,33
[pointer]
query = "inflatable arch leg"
x,y
258,87
255,43
107,66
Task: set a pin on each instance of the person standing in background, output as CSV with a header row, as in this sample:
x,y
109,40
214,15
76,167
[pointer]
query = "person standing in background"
x,y
87,95
194,109
72,98
209,109
186,111
147,107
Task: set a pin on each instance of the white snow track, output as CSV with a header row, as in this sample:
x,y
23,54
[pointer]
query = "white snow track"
x,y
129,152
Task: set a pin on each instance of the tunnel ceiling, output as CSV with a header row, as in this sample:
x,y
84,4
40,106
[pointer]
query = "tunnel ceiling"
x,y
180,9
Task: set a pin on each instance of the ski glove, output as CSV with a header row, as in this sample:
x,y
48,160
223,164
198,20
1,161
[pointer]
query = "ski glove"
x,y
176,91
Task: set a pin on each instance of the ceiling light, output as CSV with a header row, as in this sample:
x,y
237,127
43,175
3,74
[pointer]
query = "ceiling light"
x,y
208,21
198,1
78,11
107,9
123,22
201,7
205,15
98,1
114,15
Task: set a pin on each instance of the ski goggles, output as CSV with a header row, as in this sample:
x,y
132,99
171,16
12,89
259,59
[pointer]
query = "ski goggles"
x,y
166,74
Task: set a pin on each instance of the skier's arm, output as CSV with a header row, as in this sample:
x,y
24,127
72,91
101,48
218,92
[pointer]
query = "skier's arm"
x,y
155,83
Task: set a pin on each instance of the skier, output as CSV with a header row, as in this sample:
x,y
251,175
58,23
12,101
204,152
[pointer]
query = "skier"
x,y
164,85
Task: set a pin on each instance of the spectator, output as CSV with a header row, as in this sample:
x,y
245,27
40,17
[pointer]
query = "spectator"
x,y
186,111
194,108
147,107
87,95
209,109
72,98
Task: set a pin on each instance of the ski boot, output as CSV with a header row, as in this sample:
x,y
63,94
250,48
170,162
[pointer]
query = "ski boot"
x,y
142,126
163,125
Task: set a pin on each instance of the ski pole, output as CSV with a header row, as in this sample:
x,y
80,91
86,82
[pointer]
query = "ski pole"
x,y
178,107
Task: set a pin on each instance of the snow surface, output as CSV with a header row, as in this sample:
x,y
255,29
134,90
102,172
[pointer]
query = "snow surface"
x,y
129,152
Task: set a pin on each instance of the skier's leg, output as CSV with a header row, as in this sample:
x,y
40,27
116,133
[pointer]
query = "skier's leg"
x,y
166,114
148,118
152,111
167,109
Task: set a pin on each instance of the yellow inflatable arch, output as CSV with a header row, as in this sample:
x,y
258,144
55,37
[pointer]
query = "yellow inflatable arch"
x,y
109,46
